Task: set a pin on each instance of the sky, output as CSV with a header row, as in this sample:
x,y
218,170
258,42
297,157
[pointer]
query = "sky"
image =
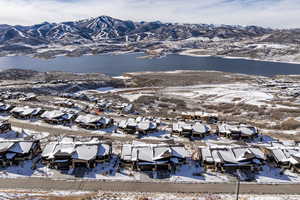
x,y
267,13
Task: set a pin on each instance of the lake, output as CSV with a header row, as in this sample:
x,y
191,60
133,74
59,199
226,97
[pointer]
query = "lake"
x,y
115,65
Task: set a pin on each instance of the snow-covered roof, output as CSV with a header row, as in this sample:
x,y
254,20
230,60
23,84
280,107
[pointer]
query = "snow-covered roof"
x,y
52,114
176,127
200,128
4,107
4,146
243,154
197,127
127,152
105,120
128,108
234,154
151,152
179,151
141,123
206,154
78,150
227,156
123,124
248,130
64,149
279,155
85,152
258,153
243,129
21,147
103,149
286,154
87,119
131,122
144,125
25,110
199,113
49,149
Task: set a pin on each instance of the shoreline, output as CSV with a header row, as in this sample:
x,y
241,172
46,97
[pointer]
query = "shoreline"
x,y
148,56
186,53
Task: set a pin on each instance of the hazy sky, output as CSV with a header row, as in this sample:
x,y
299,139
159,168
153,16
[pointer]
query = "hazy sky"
x,y
270,13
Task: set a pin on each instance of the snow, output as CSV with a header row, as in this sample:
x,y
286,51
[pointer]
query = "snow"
x,y
132,96
122,77
24,170
223,93
192,172
20,33
272,175
36,194
105,195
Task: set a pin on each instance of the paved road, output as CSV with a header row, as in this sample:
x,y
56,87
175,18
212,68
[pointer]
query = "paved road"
x,y
123,186
57,131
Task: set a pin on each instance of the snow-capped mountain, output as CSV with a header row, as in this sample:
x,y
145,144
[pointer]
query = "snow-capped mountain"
x,y
107,28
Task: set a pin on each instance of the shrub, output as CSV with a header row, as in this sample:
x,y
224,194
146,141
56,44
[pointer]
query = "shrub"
x,y
290,124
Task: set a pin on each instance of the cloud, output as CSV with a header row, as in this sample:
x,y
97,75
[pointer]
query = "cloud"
x,y
269,13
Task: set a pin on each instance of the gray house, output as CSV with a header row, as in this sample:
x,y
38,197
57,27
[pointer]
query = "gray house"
x,y
190,129
69,153
150,158
231,158
13,151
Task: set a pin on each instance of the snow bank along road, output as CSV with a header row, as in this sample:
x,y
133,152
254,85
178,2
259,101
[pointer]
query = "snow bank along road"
x,y
124,186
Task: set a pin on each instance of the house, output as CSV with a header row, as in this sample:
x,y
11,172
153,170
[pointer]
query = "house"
x,y
285,157
29,97
231,158
153,159
129,126
68,153
79,96
12,152
101,106
190,130
5,107
93,121
59,116
237,131
199,115
66,104
139,125
12,95
125,108
147,125
26,112
5,126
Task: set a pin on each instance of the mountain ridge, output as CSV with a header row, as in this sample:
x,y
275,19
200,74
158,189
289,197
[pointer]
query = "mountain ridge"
x,y
107,28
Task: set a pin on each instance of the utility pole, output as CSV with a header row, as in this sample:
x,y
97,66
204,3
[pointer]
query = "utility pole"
x,y
237,189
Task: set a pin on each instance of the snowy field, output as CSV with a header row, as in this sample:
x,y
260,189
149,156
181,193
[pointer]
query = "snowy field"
x,y
74,195
225,93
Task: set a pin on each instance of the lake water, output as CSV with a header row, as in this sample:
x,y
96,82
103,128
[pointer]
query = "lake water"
x,y
118,64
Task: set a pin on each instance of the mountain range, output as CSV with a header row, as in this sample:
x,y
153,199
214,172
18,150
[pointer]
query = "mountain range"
x,y
105,34
107,28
